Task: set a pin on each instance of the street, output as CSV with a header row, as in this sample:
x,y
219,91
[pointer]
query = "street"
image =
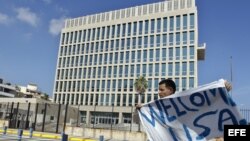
x,y
25,138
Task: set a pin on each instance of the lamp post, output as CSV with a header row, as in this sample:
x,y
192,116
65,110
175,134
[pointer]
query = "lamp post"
x,y
231,74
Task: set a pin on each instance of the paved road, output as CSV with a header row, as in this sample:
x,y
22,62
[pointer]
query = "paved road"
x,y
25,138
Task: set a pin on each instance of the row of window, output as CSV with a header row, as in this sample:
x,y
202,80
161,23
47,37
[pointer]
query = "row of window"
x,y
159,25
121,44
111,99
115,85
163,54
102,99
156,69
131,12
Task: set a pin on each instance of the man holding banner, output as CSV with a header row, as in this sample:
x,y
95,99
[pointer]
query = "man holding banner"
x,y
195,114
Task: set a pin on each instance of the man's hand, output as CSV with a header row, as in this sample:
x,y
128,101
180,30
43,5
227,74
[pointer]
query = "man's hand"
x,y
138,106
228,85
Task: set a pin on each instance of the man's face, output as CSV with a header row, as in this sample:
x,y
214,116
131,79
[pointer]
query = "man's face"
x,y
165,91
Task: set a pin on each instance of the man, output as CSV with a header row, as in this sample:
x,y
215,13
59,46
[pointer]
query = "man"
x,y
167,87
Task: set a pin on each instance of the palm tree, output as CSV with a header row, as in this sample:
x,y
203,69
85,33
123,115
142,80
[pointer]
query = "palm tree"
x,y
141,85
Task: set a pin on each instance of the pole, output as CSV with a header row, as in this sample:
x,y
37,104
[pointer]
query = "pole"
x,y
94,116
58,117
34,127
131,118
27,117
65,118
11,115
44,116
7,111
139,123
77,122
16,116
231,76
112,116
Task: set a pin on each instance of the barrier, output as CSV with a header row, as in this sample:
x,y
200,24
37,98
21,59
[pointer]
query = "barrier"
x,y
101,138
20,134
64,137
4,130
31,132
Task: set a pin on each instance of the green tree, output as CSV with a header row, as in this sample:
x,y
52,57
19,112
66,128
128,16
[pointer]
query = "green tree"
x,y
141,85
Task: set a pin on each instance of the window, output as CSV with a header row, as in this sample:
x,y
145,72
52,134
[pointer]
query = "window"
x,y
151,54
192,21
191,49
134,28
177,53
178,38
184,68
164,39
158,40
171,23
171,55
171,39
150,70
163,69
184,84
149,84
152,25
164,54
140,27
178,22
184,22
191,82
157,54
170,69
146,27
129,29
123,29
158,25
177,68
152,41
114,85
139,56
145,41
191,68
157,69
165,24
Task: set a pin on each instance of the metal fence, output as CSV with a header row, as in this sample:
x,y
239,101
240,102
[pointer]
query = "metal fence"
x,y
54,118
41,117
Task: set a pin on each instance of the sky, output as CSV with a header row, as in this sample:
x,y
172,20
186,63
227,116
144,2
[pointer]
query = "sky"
x,y
30,34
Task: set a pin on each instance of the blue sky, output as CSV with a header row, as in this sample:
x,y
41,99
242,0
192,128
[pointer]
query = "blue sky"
x,y
30,29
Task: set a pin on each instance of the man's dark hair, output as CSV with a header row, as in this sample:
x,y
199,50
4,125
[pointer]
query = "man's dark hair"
x,y
169,83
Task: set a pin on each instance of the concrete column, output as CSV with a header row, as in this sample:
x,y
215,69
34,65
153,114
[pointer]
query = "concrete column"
x,y
87,117
120,117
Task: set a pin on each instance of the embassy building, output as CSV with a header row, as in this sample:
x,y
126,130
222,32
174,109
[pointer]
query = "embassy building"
x,y
101,55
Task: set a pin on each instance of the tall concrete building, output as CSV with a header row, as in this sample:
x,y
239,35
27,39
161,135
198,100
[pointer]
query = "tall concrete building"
x,y
101,55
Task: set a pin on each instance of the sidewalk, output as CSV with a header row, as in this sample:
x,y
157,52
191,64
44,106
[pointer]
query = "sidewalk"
x,y
12,133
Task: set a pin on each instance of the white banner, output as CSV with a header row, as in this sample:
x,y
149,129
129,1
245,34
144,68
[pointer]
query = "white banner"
x,y
195,114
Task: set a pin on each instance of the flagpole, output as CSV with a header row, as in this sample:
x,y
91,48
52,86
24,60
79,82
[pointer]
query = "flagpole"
x,y
231,74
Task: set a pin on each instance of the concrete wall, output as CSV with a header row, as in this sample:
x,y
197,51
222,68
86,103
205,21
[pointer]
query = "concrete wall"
x,y
3,123
108,134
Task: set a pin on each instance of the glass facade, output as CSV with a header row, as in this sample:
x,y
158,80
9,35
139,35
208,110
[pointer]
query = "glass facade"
x,y
99,64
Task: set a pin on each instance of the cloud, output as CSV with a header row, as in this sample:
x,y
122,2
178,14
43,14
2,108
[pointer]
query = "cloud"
x,y
4,19
25,15
61,10
47,1
56,26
